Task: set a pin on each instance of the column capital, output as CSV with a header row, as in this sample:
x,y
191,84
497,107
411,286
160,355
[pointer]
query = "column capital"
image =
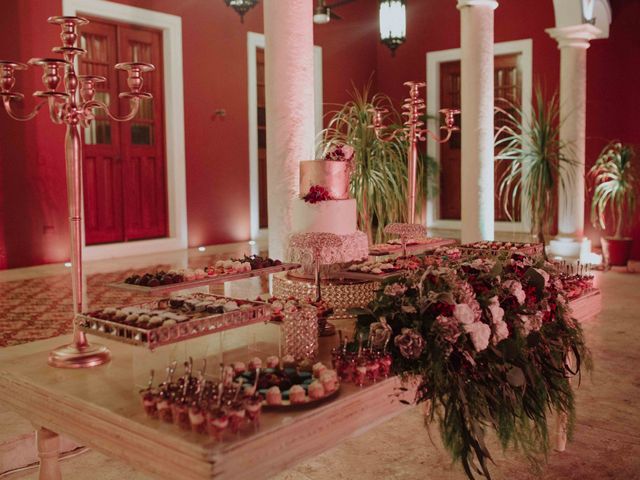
x,y
575,36
477,3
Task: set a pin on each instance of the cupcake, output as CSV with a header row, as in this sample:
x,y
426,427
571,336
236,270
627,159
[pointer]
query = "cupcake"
x,y
318,369
297,395
329,379
316,390
273,361
274,396
239,368
255,363
288,361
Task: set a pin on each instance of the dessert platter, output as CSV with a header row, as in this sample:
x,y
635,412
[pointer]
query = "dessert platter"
x,y
364,363
414,246
170,320
374,270
285,383
218,408
501,248
233,402
161,282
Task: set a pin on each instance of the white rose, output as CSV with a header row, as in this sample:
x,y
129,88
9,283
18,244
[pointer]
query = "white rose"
x,y
515,288
497,312
544,275
463,313
480,334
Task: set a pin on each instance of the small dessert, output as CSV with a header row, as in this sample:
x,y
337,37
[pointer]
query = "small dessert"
x,y
316,390
318,369
297,395
197,419
360,376
329,379
273,361
239,368
180,412
164,407
236,413
305,366
149,402
217,423
274,396
230,306
255,363
253,407
288,361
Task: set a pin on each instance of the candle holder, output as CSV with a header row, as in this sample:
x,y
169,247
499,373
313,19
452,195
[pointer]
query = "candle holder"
x,y
74,107
414,132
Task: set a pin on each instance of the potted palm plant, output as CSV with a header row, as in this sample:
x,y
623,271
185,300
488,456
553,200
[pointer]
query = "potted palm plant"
x,y
614,198
379,179
537,162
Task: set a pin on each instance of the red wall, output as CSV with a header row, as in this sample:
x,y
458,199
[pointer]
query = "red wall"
x,y
33,201
613,69
215,76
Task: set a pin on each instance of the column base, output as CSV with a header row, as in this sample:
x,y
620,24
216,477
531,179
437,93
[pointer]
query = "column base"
x,y
573,249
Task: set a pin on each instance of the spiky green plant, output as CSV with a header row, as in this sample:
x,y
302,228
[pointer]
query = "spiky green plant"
x,y
538,160
615,187
379,180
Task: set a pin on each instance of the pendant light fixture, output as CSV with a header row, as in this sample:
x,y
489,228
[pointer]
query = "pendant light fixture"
x,y
241,6
393,23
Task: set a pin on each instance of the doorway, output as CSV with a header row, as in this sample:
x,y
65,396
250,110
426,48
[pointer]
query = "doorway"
x,y
124,164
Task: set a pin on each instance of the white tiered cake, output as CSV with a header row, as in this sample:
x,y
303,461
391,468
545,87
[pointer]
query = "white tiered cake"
x,y
337,215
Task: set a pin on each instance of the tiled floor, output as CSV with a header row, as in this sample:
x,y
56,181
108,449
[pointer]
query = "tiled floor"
x,y
36,303
607,437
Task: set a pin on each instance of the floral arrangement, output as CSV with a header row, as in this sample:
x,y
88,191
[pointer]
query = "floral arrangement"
x,y
316,194
490,342
340,153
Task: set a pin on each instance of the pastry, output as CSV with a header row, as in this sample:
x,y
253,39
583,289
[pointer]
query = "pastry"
x,y
316,390
329,379
255,363
318,369
297,395
274,396
273,361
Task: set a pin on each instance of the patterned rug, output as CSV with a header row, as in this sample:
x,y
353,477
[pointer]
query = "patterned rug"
x,y
41,308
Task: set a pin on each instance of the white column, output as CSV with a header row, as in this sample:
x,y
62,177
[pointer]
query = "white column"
x,y
573,42
288,30
477,170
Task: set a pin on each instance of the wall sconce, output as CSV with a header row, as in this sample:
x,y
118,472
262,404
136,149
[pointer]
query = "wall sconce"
x,y
393,23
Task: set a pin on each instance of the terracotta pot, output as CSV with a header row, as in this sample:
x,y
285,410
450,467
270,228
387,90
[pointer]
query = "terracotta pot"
x,y
617,250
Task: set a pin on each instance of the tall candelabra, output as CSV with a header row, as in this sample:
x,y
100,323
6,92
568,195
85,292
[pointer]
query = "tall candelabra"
x,y
414,132
73,107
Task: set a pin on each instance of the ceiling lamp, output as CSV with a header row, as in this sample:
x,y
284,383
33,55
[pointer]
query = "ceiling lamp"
x,y
241,6
393,23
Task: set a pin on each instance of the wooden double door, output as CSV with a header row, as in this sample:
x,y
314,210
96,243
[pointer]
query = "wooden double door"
x,y
125,194
508,95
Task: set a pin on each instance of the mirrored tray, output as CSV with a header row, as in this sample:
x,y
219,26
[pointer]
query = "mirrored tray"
x,y
197,324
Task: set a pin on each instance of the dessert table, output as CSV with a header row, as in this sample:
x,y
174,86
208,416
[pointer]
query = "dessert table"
x,y
100,408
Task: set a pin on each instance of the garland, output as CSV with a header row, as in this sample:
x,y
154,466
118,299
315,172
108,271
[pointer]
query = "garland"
x,y
490,342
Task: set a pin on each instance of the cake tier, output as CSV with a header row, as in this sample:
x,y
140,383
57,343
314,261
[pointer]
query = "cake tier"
x,y
354,247
331,216
332,175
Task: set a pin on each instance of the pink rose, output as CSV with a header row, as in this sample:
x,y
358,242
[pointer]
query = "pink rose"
x,y
514,288
480,334
463,313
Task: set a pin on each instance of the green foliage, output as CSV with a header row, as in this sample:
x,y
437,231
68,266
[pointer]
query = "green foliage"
x,y
538,160
615,187
379,181
510,384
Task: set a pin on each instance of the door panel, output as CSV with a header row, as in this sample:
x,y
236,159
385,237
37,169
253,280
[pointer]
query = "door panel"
x,y
508,86
450,153
143,142
102,173
124,163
